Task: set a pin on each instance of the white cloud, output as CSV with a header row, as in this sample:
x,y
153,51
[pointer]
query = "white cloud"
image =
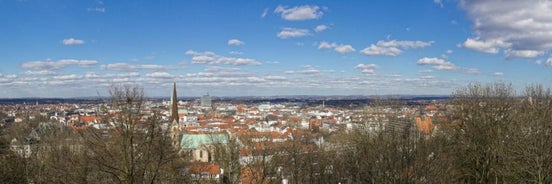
x,y
67,77
131,67
312,71
308,70
159,75
235,52
72,41
97,9
344,49
235,42
325,45
93,75
274,77
426,71
439,2
212,58
265,12
120,80
445,55
377,50
367,68
4,79
288,32
486,46
298,13
215,76
340,48
39,73
548,62
218,69
471,71
320,28
523,53
272,62
55,65
498,74
393,47
523,27
437,63
404,44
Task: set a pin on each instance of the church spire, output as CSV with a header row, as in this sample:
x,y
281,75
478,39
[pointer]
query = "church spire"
x,y
174,127
174,106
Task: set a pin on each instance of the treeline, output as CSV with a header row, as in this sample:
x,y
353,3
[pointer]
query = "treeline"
x,y
135,150
497,135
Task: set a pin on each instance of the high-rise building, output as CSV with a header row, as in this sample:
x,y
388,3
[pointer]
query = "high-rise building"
x,y
206,100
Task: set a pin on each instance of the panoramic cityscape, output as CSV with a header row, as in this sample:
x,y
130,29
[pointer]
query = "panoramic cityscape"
x,y
290,92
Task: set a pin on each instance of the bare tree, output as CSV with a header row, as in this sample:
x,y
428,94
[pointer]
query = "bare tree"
x,y
528,153
135,149
485,113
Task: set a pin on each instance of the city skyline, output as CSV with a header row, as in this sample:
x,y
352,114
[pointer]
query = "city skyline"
x,y
431,47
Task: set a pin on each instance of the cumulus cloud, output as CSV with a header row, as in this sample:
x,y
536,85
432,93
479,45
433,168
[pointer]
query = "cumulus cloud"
x,y
523,53
308,70
94,75
275,77
298,13
288,32
393,47
212,58
67,77
320,28
344,49
341,48
325,45
55,65
378,50
223,76
367,68
498,74
520,28
437,63
131,67
235,42
159,75
72,41
486,46
7,78
39,72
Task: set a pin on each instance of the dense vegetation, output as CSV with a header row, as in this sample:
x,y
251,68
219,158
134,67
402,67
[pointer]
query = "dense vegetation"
x,y
498,136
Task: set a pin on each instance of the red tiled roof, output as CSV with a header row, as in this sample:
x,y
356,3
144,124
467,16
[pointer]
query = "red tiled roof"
x,y
198,168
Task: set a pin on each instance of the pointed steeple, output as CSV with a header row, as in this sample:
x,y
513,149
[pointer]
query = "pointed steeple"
x,y
174,106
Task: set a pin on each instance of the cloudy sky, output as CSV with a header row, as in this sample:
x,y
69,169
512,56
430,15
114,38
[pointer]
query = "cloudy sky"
x,y
63,48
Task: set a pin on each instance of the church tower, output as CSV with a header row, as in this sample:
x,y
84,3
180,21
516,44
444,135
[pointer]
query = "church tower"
x,y
174,106
173,120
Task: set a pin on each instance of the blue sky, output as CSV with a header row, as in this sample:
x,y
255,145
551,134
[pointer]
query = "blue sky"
x,y
241,48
